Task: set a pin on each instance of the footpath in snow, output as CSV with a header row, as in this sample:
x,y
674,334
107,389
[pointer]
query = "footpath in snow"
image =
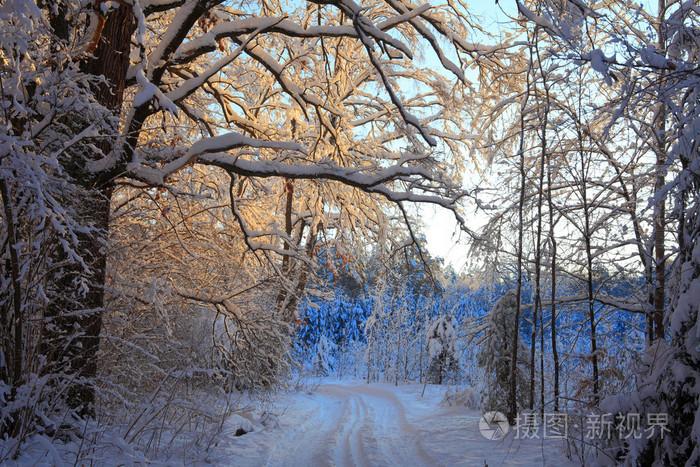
x,y
356,424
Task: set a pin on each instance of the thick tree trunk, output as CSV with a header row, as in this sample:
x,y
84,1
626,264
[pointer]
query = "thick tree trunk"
x,y
74,315
12,322
111,58
11,316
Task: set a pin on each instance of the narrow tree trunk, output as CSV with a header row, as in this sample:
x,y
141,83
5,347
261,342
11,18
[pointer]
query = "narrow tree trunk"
x,y
283,307
290,303
420,359
589,275
16,322
587,236
513,389
533,341
537,308
397,360
540,194
553,285
649,314
660,204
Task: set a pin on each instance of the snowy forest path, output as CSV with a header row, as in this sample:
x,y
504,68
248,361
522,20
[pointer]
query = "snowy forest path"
x,y
358,424
385,436
351,425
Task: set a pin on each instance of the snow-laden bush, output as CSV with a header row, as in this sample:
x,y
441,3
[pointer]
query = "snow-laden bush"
x,y
324,357
495,356
464,397
442,354
254,349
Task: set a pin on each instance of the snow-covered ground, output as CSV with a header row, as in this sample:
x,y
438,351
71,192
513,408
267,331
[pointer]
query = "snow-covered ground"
x,y
356,424
347,423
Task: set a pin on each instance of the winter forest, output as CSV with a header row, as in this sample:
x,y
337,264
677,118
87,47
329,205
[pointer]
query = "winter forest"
x,y
344,232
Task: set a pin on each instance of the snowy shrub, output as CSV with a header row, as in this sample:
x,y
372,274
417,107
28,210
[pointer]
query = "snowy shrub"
x,y
254,349
351,361
495,356
35,409
441,340
324,357
466,397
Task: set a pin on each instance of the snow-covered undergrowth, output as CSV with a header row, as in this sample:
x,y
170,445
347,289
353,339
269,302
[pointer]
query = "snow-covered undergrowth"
x,y
321,421
170,429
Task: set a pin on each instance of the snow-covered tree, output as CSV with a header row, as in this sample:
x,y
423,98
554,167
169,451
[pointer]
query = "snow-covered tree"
x,y
324,356
300,103
648,58
495,356
442,353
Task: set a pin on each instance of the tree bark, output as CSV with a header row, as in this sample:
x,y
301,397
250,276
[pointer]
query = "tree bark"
x,y
74,318
16,322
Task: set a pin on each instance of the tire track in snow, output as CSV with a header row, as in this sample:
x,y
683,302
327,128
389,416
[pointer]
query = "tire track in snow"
x,y
305,443
355,426
377,425
409,447
384,421
353,451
